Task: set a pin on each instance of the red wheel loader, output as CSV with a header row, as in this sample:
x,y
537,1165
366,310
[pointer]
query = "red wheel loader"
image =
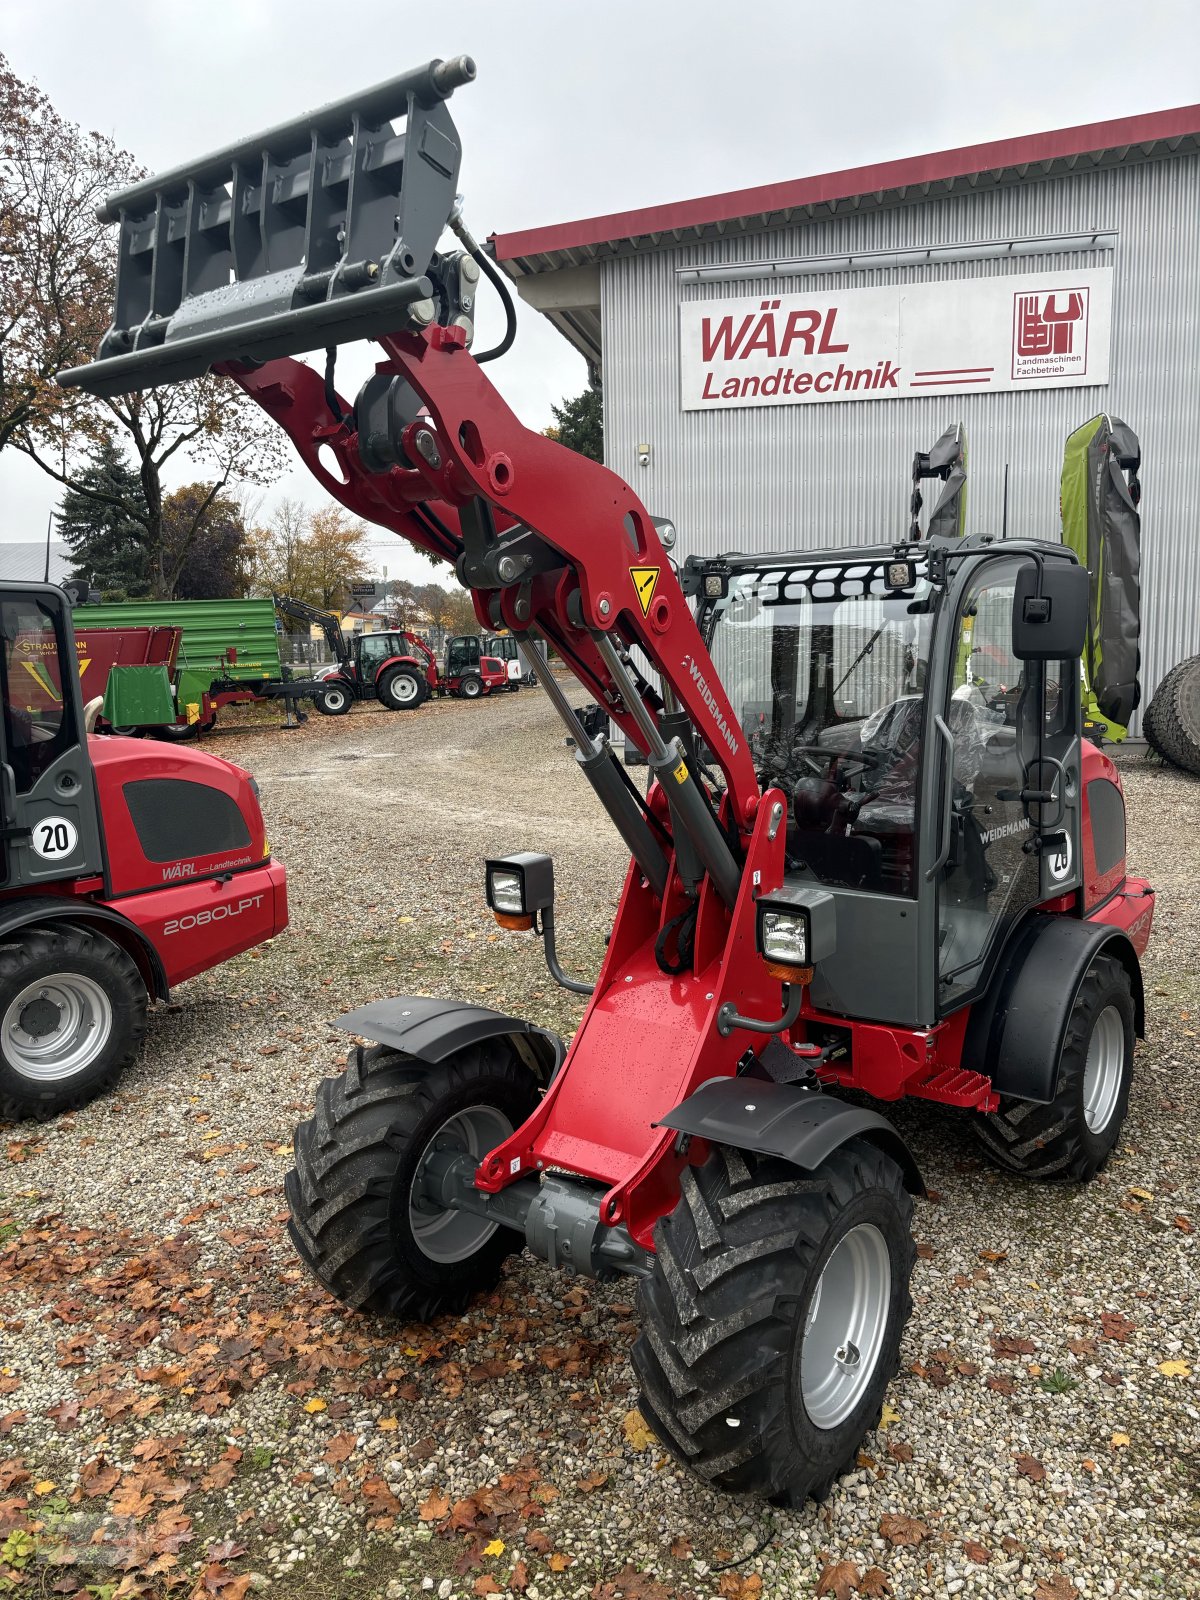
x,y
125,867
876,854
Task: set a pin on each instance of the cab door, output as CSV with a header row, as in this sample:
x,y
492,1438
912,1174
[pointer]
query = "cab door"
x,y
1009,816
51,822
462,655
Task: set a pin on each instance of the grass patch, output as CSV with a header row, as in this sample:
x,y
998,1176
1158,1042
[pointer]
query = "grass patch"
x,y
1058,1382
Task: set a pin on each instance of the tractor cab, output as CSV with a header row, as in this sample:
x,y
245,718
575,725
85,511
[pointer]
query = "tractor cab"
x,y
932,775
370,651
470,671
504,647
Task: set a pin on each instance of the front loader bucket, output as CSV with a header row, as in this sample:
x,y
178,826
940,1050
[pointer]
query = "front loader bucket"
x,y
311,234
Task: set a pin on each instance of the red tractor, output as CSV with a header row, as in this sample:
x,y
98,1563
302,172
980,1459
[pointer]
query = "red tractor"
x,y
876,854
396,668
127,867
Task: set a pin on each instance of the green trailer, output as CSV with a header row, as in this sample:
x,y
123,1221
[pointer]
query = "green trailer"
x,y
228,653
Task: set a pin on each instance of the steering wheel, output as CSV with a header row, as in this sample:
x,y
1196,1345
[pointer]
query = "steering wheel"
x,y
816,757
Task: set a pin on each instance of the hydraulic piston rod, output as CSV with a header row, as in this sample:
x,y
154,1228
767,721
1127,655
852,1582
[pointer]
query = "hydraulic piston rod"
x,y
668,764
599,766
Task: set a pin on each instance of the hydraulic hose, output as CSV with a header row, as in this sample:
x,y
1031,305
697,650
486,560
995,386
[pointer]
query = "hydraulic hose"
x,y
510,310
475,250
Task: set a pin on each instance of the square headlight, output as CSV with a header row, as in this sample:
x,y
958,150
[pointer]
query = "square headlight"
x,y
520,885
783,937
796,929
506,891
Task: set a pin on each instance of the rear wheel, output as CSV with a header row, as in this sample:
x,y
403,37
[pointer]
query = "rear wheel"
x,y
333,700
1073,1136
180,732
72,1015
358,1218
471,687
771,1324
400,690
1172,721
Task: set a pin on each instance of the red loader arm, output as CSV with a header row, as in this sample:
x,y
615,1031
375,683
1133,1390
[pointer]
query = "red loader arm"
x,y
328,229
474,449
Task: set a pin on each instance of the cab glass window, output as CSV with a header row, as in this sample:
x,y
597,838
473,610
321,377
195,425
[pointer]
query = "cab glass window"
x,y
826,669
39,721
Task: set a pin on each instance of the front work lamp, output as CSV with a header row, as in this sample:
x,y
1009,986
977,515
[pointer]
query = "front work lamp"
x,y
519,887
796,929
520,891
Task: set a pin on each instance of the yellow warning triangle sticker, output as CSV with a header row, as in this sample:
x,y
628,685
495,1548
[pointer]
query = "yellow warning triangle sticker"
x,y
645,581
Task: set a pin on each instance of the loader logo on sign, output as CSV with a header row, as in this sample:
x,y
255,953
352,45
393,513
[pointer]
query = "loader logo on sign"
x,y
645,581
1050,334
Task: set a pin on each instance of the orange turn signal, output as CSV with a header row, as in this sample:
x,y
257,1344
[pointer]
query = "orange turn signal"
x,y
800,975
519,924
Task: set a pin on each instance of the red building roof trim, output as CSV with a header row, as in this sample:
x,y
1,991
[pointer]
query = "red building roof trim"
x,y
944,166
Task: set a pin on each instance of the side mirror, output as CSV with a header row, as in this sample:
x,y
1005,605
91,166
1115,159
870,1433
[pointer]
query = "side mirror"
x,y
1050,619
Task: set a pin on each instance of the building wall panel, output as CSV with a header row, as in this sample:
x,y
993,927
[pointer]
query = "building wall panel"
x,y
775,477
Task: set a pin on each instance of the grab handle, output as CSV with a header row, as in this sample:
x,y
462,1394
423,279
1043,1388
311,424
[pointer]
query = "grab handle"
x,y
947,738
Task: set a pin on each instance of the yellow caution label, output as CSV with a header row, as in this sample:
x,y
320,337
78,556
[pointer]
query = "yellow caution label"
x,y
645,581
680,772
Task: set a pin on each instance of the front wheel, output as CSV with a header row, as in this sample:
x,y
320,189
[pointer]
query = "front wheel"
x,y
333,700
471,687
359,1217
1073,1136
72,1015
771,1323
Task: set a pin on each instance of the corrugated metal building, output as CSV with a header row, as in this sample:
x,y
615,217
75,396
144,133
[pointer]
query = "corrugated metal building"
x,y
1102,220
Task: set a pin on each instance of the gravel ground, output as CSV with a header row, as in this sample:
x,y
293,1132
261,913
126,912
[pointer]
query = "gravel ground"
x,y
180,1407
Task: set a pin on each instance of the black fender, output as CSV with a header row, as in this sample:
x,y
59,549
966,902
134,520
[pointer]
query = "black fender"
x,y
1016,1030
432,1029
42,910
777,1119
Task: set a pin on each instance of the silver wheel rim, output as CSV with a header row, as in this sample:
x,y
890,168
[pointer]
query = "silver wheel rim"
x,y
1103,1069
335,699
445,1234
845,1326
56,1027
471,688
403,689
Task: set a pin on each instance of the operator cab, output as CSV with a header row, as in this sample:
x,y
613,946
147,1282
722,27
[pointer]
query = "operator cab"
x,y
373,649
903,732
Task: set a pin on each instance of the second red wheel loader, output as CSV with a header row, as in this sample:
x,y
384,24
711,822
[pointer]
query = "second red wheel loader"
x,y
876,853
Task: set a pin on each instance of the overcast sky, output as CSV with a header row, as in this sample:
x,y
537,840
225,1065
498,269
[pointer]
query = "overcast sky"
x,y
582,109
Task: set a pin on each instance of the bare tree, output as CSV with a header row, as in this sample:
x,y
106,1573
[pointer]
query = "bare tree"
x,y
55,256
56,287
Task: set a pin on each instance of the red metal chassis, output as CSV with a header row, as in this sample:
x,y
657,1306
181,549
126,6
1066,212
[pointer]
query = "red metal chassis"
x,y
197,911
647,1039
